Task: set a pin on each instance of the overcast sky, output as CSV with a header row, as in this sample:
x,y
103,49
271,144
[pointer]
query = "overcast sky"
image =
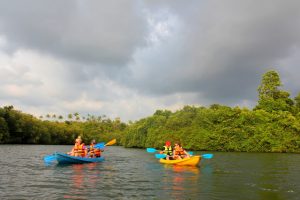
x,y
130,58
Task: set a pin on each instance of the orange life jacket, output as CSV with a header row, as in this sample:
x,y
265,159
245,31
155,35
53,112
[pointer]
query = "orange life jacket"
x,y
79,148
94,151
97,152
179,150
92,148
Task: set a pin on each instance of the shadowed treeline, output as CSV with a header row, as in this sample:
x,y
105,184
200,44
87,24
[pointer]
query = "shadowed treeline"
x,y
20,128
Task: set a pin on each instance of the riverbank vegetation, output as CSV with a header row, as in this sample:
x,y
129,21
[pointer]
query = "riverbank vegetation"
x,y
20,128
273,125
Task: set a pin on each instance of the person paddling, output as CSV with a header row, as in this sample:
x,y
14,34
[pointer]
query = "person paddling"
x,y
79,148
179,152
94,152
168,151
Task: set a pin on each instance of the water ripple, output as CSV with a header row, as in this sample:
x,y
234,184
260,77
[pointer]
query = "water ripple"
x,y
135,174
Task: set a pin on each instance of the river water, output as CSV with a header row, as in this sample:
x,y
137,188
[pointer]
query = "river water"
x,y
136,174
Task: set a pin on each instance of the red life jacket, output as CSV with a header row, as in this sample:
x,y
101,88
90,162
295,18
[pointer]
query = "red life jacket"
x,y
97,152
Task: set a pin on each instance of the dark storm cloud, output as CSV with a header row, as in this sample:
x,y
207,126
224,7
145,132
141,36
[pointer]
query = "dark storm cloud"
x,y
90,32
223,48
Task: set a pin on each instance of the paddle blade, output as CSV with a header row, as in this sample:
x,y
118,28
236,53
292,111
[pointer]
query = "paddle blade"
x,y
99,145
49,158
151,150
112,142
207,156
191,153
159,156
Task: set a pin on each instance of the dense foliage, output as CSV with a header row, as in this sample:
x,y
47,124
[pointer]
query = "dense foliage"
x,y
19,128
272,126
219,128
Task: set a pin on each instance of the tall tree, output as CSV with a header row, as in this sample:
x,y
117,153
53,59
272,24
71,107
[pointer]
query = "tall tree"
x,y
271,98
269,85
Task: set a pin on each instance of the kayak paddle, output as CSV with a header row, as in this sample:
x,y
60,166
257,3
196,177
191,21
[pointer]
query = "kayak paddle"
x,y
101,145
49,158
159,156
207,156
151,150
112,142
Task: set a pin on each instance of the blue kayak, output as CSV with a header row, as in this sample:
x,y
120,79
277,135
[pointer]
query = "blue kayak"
x,y
63,158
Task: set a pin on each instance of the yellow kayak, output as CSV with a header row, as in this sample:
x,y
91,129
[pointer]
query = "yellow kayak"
x,y
192,161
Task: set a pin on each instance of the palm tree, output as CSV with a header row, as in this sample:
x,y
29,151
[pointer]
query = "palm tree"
x,y
70,116
76,115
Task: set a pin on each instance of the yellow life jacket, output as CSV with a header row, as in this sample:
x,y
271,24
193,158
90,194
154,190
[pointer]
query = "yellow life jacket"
x,y
168,150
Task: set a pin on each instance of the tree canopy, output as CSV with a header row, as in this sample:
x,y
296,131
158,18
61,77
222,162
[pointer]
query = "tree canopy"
x,y
271,97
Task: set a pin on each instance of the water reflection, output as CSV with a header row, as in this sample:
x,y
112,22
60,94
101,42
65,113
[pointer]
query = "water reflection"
x,y
180,180
185,169
83,178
